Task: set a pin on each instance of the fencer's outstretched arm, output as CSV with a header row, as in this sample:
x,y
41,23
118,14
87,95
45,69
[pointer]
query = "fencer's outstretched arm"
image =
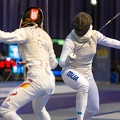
x,y
17,36
109,42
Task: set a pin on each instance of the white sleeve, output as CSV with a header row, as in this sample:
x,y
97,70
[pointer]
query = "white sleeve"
x,y
109,42
68,47
17,36
53,60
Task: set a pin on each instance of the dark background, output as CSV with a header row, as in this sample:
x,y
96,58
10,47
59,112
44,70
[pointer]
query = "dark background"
x,y
58,18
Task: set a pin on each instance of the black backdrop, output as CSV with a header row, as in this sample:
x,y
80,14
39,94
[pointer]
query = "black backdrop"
x,y
59,14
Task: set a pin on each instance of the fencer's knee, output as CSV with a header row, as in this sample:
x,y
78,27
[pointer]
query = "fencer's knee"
x,y
43,114
4,109
0,112
40,112
83,88
94,110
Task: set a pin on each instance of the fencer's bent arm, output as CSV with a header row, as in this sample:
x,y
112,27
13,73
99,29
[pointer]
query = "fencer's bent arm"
x,y
53,61
109,42
68,47
17,36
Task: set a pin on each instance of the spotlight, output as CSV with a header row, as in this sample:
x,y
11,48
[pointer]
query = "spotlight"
x,y
93,2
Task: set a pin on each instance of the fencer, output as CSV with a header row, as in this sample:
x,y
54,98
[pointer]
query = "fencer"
x,y
36,50
76,61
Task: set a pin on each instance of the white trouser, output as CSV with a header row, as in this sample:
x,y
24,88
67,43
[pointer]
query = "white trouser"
x,y
93,97
75,80
38,87
78,82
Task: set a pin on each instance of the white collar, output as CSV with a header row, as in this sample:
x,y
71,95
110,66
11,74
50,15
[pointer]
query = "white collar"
x,y
84,38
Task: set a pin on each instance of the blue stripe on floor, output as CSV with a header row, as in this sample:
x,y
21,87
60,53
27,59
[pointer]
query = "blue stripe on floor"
x,y
108,113
99,114
72,119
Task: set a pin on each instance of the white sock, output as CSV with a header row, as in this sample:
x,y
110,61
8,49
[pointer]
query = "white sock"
x,y
11,116
81,103
87,116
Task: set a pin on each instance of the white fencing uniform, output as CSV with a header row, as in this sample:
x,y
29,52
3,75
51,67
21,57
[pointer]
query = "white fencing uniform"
x,y
77,73
35,47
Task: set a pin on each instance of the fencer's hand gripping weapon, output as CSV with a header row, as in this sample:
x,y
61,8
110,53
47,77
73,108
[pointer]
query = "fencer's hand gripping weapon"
x,y
72,55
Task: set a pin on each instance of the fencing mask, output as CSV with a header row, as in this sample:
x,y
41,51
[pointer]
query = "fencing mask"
x,y
81,23
31,16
